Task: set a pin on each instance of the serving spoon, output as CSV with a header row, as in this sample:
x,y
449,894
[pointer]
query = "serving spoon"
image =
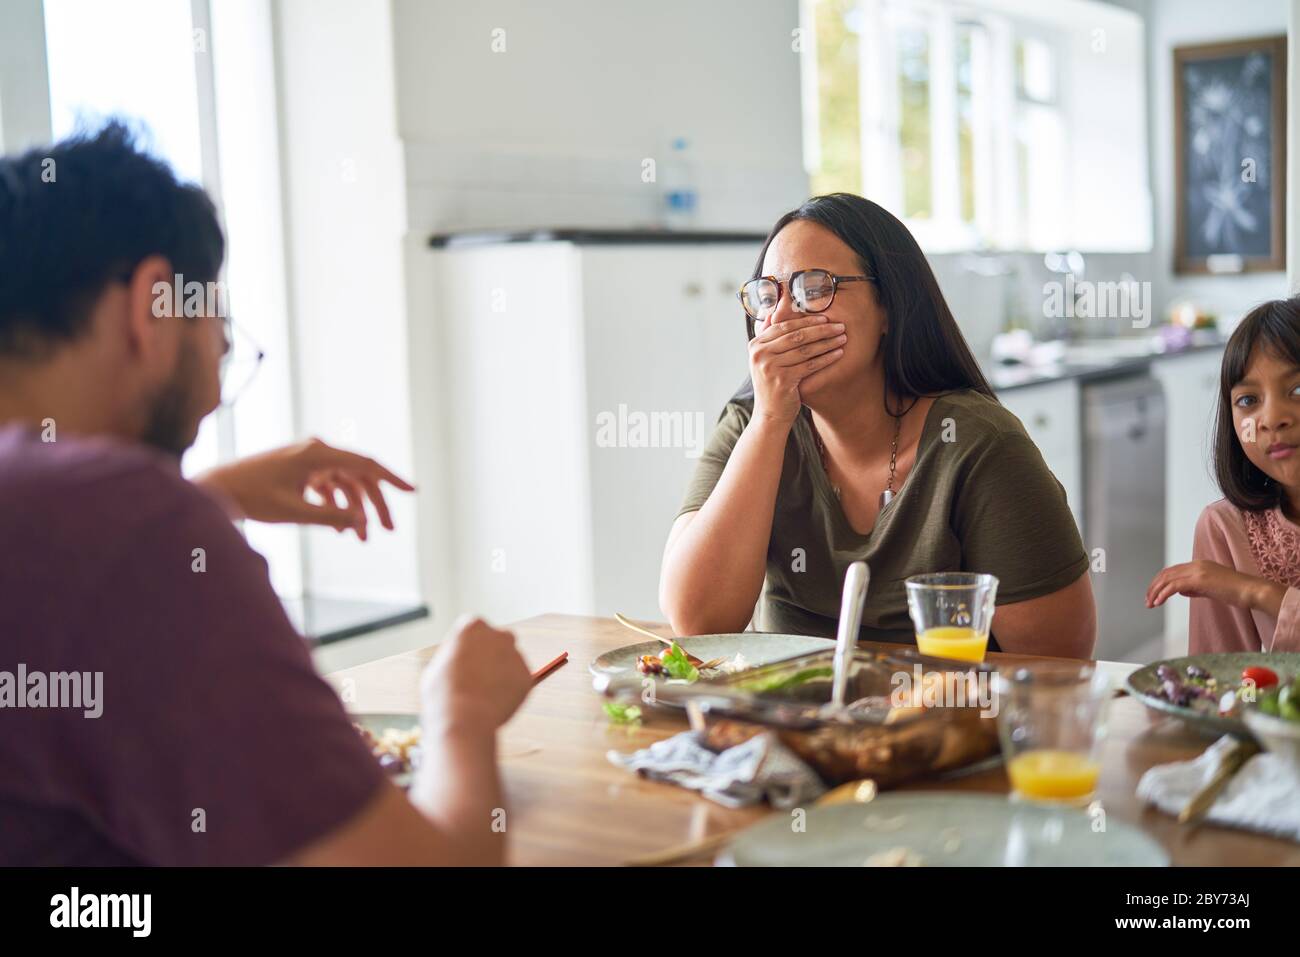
x,y
846,638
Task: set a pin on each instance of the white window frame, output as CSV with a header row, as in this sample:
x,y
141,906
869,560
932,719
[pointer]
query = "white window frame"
x,y
273,417
997,221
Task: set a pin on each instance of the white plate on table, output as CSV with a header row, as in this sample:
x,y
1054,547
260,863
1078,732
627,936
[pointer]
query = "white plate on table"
x,y
1226,668
757,648
377,723
945,830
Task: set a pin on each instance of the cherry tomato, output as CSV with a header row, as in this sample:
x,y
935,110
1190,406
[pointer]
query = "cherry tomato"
x,y
1263,677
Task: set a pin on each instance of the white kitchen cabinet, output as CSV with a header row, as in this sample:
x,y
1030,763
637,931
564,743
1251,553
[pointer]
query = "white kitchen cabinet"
x,y
580,382
1191,384
1050,414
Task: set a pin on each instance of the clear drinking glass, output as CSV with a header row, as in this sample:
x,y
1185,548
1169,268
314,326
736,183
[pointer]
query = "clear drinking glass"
x,y
1051,722
952,613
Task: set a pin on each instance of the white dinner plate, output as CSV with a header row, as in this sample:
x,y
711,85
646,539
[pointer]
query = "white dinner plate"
x,y
945,830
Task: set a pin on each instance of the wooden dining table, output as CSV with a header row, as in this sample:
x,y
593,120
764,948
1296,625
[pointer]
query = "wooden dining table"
x,y
569,805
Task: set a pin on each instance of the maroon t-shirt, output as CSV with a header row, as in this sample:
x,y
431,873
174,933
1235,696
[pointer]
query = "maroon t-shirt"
x,y
216,742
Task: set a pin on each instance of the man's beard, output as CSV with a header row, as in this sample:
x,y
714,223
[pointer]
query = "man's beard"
x,y
171,426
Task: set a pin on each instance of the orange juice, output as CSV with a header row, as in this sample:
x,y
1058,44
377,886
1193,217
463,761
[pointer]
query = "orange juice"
x,y
951,641
1051,775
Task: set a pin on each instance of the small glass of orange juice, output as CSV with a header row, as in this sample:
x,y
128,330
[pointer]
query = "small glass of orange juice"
x,y
952,612
1051,722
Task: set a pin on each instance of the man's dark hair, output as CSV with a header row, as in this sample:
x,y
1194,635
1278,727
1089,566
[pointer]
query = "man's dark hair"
x,y
81,214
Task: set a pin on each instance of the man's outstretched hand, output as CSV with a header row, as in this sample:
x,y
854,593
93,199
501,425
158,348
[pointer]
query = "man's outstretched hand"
x,y
272,486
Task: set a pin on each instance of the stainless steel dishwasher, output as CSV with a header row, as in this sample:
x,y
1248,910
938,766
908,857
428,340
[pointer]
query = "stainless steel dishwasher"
x,y
1124,510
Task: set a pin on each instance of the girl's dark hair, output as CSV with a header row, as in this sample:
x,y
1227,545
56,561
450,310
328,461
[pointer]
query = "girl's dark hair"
x,y
925,352
1275,328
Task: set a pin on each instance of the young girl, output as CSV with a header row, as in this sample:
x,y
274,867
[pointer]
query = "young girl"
x,y
1244,577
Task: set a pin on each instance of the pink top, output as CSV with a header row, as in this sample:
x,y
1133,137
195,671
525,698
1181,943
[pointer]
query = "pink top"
x,y
1265,544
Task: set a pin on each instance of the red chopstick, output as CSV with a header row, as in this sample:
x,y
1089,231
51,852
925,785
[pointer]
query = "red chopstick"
x,y
550,666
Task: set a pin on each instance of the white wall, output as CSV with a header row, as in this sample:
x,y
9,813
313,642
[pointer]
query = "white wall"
x,y
553,130
343,178
1110,196
24,83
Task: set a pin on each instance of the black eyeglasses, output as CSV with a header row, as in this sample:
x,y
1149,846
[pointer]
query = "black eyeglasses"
x,y
812,290
242,356
240,362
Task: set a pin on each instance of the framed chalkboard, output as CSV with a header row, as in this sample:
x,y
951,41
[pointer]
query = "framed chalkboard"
x,y
1230,156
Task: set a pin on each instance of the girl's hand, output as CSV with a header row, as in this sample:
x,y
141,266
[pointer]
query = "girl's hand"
x,y
786,353
1207,579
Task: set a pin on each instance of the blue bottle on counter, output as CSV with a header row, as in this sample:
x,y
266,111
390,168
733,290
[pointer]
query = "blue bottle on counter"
x,y
679,196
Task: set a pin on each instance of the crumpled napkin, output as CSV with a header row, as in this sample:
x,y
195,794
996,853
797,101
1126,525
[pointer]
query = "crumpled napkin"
x,y
1261,796
759,768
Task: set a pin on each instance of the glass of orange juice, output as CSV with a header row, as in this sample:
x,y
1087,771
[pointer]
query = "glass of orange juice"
x,y
1051,722
952,612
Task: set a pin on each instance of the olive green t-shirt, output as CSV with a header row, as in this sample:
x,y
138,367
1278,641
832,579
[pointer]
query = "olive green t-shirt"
x,y
979,498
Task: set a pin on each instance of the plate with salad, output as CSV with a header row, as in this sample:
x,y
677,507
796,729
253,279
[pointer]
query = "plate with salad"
x,y
1212,693
702,657
394,740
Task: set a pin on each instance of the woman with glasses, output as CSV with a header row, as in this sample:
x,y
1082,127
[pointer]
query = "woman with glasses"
x,y
866,432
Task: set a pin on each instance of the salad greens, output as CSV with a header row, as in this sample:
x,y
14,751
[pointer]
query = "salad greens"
x,y
678,665
1282,701
1200,691
621,713
786,682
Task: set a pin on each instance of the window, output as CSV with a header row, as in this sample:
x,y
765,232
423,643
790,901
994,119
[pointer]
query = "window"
x,y
912,84
1040,144
135,59
194,75
833,148
956,116
130,57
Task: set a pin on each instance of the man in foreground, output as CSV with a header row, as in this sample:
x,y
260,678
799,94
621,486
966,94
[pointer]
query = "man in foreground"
x,y
212,741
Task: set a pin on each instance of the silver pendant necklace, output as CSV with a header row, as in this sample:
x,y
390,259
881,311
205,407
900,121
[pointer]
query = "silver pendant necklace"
x,y
887,495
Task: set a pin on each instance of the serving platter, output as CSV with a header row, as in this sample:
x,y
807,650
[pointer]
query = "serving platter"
x,y
757,648
944,830
1226,668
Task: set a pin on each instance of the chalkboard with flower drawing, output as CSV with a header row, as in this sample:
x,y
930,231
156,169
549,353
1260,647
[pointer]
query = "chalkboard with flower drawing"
x,y
1230,156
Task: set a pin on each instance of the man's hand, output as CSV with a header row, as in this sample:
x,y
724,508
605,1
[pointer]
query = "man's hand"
x,y
272,486
473,685
475,681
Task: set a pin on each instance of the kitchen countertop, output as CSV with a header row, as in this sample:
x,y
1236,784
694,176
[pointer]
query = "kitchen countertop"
x,y
1005,378
591,237
326,620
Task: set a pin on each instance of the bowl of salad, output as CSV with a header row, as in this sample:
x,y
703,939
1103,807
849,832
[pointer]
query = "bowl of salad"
x,y
1274,720
1213,693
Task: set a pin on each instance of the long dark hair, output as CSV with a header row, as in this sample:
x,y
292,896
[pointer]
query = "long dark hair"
x,y
925,353
1275,328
